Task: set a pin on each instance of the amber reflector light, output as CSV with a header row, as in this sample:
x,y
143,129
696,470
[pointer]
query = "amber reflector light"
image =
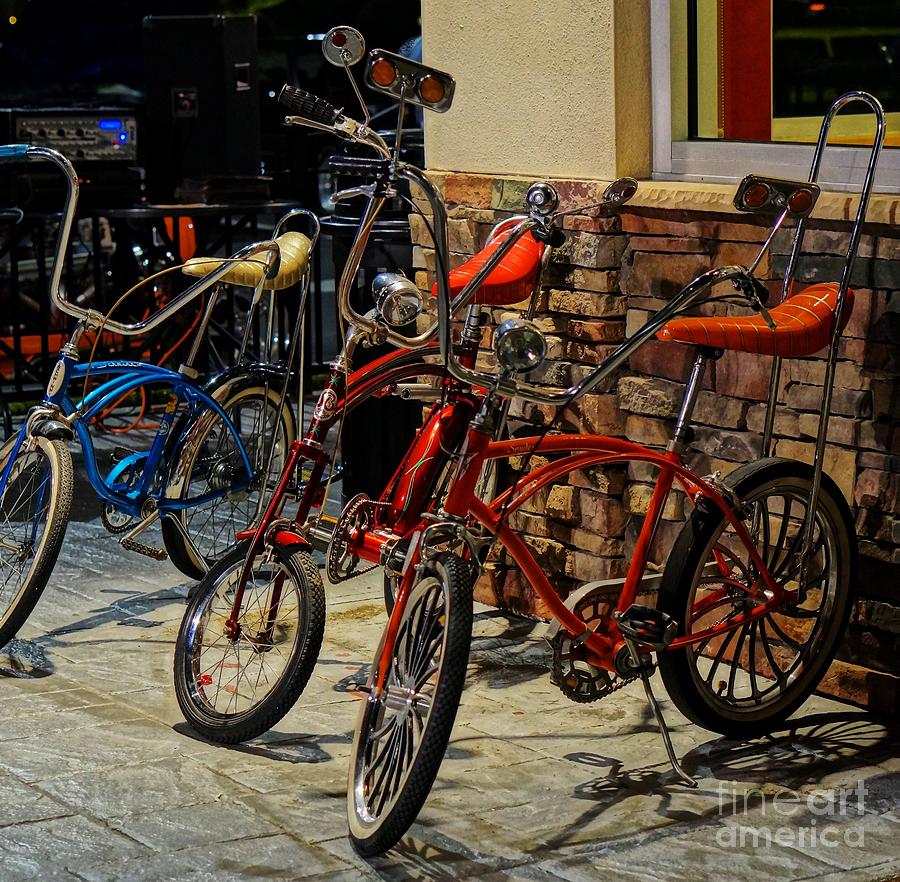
x,y
800,201
383,72
431,89
756,196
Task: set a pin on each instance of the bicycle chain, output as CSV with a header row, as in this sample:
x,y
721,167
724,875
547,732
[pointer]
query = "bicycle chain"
x,y
338,548
585,683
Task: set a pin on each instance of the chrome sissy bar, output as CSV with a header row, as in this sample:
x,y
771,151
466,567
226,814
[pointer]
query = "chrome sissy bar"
x,y
796,249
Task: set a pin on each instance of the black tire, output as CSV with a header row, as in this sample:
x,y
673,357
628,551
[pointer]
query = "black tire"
x,y
202,636
197,537
438,617
46,466
759,693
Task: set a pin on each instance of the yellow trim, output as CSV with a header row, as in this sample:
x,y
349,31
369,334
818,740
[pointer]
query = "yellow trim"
x,y
853,129
708,90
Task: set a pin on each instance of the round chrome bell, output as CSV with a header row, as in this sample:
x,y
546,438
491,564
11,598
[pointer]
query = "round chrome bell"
x,y
542,198
520,345
397,299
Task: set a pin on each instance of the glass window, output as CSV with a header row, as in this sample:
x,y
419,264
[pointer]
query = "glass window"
x,y
767,70
740,84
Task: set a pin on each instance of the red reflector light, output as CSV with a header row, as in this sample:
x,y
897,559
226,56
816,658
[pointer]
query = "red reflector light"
x,y
383,73
431,89
756,196
800,201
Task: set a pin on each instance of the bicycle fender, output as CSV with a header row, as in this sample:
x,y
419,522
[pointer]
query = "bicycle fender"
x,y
242,372
53,430
288,540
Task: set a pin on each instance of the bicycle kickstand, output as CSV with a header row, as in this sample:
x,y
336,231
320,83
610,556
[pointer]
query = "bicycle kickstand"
x,y
640,624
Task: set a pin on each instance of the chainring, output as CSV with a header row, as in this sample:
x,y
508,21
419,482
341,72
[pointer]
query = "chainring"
x,y
577,678
115,521
358,514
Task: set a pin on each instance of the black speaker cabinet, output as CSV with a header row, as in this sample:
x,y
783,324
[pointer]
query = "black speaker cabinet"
x,y
202,99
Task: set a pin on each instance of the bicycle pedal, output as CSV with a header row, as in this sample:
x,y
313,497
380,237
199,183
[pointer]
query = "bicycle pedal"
x,y
647,626
141,548
120,453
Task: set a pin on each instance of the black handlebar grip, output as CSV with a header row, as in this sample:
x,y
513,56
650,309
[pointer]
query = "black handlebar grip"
x,y
302,103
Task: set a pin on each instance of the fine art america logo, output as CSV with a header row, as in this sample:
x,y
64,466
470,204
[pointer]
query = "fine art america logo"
x,y
785,817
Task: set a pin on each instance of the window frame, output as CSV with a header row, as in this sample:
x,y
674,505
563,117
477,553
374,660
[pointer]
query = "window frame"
x,y
843,168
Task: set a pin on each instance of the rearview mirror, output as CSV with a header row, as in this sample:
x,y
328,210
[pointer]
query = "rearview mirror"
x,y
620,191
343,46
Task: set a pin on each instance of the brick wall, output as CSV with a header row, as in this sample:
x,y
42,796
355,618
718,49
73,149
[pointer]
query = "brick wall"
x,y
601,285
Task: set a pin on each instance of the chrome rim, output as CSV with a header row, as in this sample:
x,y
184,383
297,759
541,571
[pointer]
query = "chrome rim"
x,y
754,666
233,669
394,722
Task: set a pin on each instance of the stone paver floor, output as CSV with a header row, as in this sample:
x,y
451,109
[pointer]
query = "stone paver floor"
x,y
101,780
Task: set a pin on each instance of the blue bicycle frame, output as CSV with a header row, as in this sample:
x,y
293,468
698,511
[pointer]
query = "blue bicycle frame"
x,y
125,377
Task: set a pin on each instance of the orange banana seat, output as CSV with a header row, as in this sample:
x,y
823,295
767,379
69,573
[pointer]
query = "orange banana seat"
x,y
804,323
511,281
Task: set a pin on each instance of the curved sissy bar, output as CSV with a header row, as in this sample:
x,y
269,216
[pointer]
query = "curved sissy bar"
x,y
855,234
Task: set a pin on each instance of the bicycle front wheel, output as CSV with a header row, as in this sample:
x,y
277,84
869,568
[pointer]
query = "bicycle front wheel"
x,y
35,504
403,729
744,681
238,675
208,461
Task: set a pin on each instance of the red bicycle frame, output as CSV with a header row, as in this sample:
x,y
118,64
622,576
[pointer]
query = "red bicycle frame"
x,y
406,495
604,643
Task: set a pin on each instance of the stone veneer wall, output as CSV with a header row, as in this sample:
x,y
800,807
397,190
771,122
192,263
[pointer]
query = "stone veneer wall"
x,y
600,286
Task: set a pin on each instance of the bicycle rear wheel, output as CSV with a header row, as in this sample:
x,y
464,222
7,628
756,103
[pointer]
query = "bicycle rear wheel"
x,y
403,730
745,681
209,460
34,512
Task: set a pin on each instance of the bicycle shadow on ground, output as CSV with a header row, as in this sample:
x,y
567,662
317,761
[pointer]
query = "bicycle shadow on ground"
x,y
440,859
294,749
736,776
512,656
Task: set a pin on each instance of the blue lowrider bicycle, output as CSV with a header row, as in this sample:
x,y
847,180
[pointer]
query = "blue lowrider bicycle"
x,y
204,473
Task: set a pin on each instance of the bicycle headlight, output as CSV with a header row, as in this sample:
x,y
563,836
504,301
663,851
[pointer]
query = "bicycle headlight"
x,y
397,299
520,345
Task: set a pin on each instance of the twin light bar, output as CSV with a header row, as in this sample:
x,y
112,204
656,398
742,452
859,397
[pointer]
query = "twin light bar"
x,y
410,80
775,194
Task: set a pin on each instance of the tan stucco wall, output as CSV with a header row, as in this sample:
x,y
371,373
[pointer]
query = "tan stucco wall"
x,y
546,89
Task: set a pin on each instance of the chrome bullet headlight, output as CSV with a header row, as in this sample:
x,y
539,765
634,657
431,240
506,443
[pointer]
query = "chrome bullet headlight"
x,y
397,299
520,345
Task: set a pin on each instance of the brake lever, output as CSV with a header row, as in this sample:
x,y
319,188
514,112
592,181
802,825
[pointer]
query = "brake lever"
x,y
755,291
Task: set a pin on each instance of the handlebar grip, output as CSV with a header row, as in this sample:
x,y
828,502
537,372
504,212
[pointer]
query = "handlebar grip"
x,y
14,153
302,103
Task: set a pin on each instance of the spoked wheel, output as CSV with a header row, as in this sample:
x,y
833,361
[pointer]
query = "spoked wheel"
x,y
746,680
34,513
235,677
208,461
403,729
